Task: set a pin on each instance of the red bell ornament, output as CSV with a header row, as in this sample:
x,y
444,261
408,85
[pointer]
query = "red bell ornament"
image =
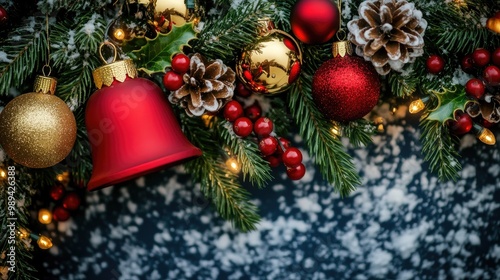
x,y
131,126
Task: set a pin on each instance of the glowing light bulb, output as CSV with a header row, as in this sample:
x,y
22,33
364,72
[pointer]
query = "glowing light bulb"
x,y
63,177
3,174
119,34
336,129
416,106
486,136
23,233
44,216
44,242
233,165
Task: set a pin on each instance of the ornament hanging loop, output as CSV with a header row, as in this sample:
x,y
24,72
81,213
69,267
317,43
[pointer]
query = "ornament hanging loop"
x,y
341,35
113,47
48,68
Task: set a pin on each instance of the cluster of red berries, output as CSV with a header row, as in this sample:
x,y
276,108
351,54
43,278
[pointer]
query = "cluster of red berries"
x,y
275,150
67,201
172,80
485,65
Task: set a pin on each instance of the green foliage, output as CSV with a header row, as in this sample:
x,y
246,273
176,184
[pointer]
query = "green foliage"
x,y
253,166
439,149
217,182
223,37
26,51
156,55
334,163
359,132
450,102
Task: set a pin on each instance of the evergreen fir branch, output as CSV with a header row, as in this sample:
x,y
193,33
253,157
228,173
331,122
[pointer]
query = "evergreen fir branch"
x,y
217,182
280,117
334,163
359,132
439,149
24,51
49,6
222,38
403,85
79,160
253,166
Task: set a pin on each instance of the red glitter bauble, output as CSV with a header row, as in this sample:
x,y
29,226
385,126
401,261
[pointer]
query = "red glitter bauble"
x,y
315,21
345,88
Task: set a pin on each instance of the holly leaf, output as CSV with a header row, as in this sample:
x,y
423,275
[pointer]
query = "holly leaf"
x,y
449,102
156,55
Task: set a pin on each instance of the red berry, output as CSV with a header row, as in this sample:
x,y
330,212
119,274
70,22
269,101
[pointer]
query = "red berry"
x,y
297,172
274,161
57,191
487,124
475,88
242,91
4,16
180,63
492,75
71,201
467,63
172,80
285,144
243,126
495,57
292,157
435,64
263,126
268,145
253,111
60,214
481,57
233,110
461,125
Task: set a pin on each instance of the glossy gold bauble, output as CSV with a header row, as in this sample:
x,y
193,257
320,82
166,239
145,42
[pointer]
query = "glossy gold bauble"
x,y
170,12
272,65
37,129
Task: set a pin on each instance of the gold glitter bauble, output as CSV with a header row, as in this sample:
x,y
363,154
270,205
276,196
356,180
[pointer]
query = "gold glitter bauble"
x,y
37,130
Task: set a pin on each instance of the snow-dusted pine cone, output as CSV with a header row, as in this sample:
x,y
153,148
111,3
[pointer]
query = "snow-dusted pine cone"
x,y
489,108
389,33
208,85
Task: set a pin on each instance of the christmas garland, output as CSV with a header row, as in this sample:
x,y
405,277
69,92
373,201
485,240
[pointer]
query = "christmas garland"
x,y
217,85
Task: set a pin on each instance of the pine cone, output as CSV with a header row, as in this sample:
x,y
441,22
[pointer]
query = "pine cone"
x,y
208,85
389,33
489,108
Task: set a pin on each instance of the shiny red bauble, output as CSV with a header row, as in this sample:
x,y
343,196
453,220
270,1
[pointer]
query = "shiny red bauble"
x,y
253,111
481,57
243,126
263,126
172,80
495,57
492,75
435,64
57,191
315,21
292,157
467,63
268,146
233,110
345,88
285,144
71,201
475,88
180,63
461,125
4,17
60,214
297,172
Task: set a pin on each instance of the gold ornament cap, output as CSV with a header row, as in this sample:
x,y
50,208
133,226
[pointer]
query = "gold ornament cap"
x,y
342,48
45,84
116,70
